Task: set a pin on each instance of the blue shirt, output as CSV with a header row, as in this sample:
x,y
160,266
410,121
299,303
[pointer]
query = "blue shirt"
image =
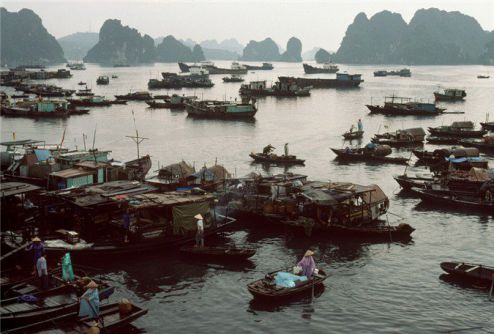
x,y
41,266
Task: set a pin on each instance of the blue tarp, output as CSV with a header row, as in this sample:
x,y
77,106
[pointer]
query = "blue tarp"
x,y
460,160
371,146
287,280
42,155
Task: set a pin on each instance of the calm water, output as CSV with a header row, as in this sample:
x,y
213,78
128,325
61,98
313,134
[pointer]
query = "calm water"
x,y
374,287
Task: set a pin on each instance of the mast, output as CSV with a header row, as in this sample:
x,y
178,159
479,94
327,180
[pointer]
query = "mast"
x,y
136,138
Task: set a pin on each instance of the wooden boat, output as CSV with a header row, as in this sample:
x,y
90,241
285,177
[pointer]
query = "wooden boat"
x,y
353,135
103,80
233,79
485,144
483,76
327,68
456,132
450,95
403,106
267,290
471,272
440,155
219,253
454,199
361,155
118,102
17,314
342,80
136,96
157,105
407,182
81,83
263,67
277,159
487,125
443,140
110,320
374,231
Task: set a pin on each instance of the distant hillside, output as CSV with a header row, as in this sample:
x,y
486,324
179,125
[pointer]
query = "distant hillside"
x,y
322,56
265,50
120,44
217,54
76,46
24,40
171,50
231,45
432,37
293,51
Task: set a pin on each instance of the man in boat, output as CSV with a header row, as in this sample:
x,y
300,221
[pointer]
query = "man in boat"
x,y
37,248
286,149
42,270
351,128
200,231
267,149
360,126
307,264
89,302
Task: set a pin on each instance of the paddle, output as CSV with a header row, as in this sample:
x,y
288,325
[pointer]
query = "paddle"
x,y
15,250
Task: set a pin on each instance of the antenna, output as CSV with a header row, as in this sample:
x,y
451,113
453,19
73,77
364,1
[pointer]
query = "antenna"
x,y
94,141
136,138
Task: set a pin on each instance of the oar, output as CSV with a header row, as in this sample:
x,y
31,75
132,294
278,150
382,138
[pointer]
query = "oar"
x,y
14,251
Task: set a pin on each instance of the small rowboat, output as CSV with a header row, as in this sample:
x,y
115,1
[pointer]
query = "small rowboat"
x,y
353,135
467,271
110,320
454,200
266,289
359,155
277,159
219,253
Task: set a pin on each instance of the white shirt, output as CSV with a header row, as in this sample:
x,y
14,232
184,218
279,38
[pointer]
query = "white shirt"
x,y
41,266
200,225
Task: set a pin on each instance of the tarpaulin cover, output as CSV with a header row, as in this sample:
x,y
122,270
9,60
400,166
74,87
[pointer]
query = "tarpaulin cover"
x,y
183,217
460,160
287,280
42,155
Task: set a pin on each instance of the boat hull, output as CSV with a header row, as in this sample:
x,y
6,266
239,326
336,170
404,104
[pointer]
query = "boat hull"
x,y
290,160
343,155
391,111
470,272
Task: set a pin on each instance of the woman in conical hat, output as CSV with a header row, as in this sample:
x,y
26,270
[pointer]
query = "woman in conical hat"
x,y
307,263
200,231
89,303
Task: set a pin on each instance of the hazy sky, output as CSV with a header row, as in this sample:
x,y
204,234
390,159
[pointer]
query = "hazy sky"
x,y
316,23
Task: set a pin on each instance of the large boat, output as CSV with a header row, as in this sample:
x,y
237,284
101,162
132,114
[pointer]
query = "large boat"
x,y
41,109
263,67
197,78
450,94
343,80
103,80
403,106
136,96
282,88
222,109
90,101
236,68
464,129
405,72
326,68
485,144
233,78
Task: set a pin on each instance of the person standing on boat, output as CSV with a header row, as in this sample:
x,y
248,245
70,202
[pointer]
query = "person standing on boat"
x,y
89,302
360,126
286,149
37,248
42,270
267,149
307,263
200,231
126,225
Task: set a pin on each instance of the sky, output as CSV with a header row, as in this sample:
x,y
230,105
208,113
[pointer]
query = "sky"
x,y
315,23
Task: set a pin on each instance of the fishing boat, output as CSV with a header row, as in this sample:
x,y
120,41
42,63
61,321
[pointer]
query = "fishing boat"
x,y
81,83
103,80
90,101
409,182
222,109
450,95
485,144
342,80
326,68
440,155
453,199
267,289
114,76
135,96
111,320
263,67
487,125
233,78
84,92
443,140
156,105
401,138
353,135
404,72
476,273
457,129
197,78
218,253
178,102
276,159
281,88
483,76
404,106
41,109
361,154
16,313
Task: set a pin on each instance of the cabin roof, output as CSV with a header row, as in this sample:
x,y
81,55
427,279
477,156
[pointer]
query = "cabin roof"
x,y
21,142
14,188
169,198
325,193
91,164
72,172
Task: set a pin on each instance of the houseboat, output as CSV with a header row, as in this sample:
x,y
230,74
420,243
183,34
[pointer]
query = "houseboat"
x,y
343,80
450,94
194,79
464,129
41,109
404,106
281,88
222,109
